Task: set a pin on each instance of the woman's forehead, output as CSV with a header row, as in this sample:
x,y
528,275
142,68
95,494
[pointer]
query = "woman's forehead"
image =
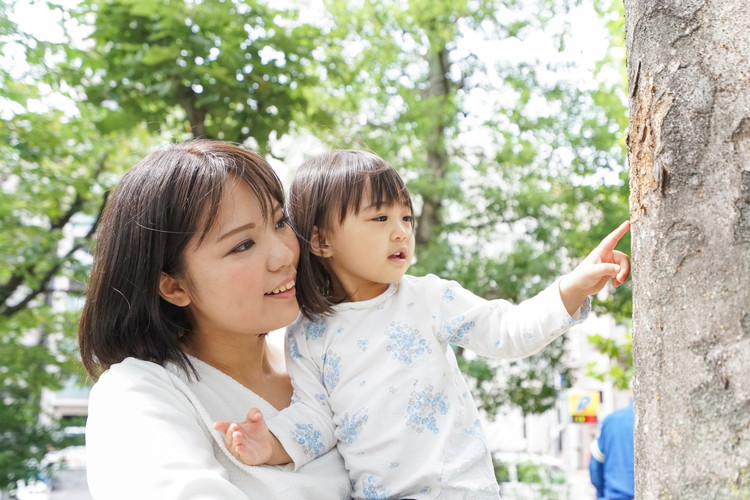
x,y
238,206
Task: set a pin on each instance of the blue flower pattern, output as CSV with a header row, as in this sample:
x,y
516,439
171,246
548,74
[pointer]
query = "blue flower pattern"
x,y
406,343
424,408
314,330
351,425
331,370
292,346
308,439
457,330
476,430
373,489
428,401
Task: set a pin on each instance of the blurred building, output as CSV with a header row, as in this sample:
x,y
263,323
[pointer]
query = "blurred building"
x,y
555,433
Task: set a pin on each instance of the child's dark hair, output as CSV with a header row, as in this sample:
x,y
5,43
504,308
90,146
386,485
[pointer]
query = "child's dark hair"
x,y
170,196
324,191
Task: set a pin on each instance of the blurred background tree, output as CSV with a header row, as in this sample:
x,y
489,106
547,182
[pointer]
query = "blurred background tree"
x,y
516,164
55,167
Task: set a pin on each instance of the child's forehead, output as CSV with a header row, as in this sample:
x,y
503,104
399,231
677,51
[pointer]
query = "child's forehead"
x,y
367,204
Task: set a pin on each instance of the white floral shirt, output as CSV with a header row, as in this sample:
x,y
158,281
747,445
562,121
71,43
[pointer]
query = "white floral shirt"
x,y
379,379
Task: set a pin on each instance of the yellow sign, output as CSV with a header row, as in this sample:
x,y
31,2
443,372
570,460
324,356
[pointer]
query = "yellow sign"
x,y
584,406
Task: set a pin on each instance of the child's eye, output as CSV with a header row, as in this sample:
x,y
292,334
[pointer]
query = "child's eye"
x,y
283,222
243,247
409,219
381,218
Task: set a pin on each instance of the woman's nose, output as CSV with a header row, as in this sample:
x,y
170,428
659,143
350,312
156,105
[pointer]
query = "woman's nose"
x,y
284,252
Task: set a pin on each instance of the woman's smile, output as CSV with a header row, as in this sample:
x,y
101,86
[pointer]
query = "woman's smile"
x,y
286,290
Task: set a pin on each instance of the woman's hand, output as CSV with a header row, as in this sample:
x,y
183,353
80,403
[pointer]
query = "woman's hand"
x,y
593,273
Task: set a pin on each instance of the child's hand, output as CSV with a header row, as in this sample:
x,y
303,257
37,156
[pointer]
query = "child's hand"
x,y
593,273
251,442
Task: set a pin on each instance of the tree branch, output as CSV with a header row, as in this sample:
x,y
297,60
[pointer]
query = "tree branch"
x,y
18,278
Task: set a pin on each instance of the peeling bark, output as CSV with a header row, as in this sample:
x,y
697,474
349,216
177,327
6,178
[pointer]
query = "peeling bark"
x,y
689,160
644,141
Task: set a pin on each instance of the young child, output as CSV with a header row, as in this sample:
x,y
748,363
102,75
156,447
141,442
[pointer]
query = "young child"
x,y
370,357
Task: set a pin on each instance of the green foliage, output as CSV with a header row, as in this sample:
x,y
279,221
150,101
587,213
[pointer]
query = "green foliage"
x,y
230,70
503,216
54,178
530,385
26,369
516,211
55,168
620,372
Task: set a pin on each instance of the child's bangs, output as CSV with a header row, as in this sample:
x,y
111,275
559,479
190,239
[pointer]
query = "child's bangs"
x,y
387,188
383,186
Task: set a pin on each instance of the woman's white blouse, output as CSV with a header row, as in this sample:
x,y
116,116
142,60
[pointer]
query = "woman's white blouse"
x,y
149,436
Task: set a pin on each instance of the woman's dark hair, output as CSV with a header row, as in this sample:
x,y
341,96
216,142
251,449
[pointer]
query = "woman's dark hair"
x,y
324,191
167,198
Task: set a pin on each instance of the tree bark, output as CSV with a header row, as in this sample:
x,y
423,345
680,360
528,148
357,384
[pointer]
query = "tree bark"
x,y
689,158
196,115
437,90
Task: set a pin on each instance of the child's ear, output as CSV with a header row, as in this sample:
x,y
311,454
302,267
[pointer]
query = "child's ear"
x,y
172,290
318,246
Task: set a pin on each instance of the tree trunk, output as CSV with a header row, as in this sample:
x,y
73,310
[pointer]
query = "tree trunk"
x,y
437,91
196,115
689,159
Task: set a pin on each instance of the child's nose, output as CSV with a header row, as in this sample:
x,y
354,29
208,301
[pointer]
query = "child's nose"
x,y
402,230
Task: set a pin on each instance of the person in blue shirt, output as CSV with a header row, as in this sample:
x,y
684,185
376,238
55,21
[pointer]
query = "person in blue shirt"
x,y
611,465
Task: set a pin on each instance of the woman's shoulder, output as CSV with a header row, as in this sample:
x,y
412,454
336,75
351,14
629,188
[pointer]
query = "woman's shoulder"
x,y
132,378
130,370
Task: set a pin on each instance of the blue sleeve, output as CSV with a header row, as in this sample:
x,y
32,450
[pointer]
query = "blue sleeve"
x,y
596,467
596,472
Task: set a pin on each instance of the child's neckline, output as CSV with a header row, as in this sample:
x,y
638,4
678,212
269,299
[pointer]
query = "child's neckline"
x,y
367,304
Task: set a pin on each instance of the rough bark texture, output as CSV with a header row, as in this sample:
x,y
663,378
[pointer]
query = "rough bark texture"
x,y
689,159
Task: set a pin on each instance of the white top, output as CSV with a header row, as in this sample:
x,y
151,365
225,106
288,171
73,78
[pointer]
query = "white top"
x,y
379,379
149,436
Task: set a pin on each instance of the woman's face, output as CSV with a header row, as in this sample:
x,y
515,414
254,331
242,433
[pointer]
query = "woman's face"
x,y
240,278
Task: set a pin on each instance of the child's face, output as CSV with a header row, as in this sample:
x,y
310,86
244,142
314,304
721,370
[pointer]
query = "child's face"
x,y
371,249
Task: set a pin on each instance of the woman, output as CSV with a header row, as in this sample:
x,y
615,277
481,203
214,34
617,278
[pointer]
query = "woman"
x,y
194,264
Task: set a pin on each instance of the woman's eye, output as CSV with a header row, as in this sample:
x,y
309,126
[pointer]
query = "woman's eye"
x,y
283,222
244,246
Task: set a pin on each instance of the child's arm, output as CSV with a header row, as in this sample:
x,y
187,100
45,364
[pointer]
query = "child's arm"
x,y
305,429
593,273
299,433
251,442
499,329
